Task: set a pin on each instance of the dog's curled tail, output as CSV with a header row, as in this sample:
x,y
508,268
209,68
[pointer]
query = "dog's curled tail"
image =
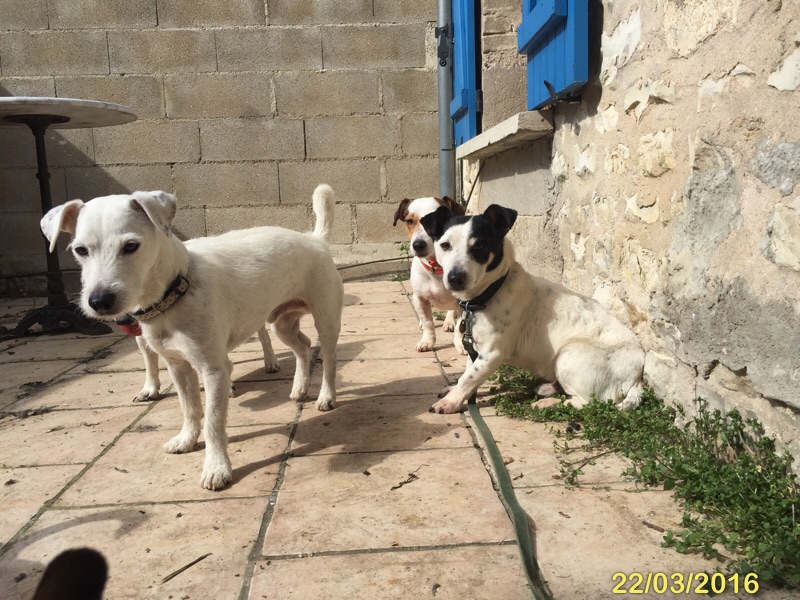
x,y
323,203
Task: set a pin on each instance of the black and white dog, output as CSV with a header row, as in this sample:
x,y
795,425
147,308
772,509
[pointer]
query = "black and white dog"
x,y
527,321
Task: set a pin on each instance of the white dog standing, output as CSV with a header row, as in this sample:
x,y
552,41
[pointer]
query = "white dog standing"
x,y
195,301
426,273
527,321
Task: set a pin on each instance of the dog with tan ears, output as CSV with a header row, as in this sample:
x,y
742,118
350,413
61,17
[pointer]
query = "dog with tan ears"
x,y
515,318
426,274
197,300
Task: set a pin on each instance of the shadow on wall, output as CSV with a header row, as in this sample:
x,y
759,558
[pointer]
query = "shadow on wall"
x,y
73,174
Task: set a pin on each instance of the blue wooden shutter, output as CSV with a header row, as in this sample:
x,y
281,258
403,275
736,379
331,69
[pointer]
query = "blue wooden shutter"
x,y
555,36
464,107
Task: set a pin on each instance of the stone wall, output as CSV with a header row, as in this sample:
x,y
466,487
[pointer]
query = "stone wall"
x,y
671,191
244,106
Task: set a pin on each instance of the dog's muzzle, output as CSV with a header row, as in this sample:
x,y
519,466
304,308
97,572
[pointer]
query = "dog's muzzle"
x,y
457,280
420,247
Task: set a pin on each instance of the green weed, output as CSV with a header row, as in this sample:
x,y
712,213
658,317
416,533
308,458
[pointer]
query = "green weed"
x,y
403,273
736,491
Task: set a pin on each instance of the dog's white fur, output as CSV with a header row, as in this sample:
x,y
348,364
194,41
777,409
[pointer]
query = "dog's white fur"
x,y
238,281
152,382
540,326
428,290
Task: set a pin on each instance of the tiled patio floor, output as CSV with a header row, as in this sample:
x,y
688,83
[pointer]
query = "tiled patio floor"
x,y
316,509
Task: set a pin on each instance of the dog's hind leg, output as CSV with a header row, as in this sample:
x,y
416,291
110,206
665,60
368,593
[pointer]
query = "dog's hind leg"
x,y
270,360
328,337
152,384
188,387
217,472
287,328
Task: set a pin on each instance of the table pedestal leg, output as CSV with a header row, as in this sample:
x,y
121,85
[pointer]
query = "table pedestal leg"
x,y
58,310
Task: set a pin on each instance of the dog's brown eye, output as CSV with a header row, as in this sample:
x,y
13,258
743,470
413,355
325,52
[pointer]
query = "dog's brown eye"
x,y
81,251
130,247
478,245
445,246
410,221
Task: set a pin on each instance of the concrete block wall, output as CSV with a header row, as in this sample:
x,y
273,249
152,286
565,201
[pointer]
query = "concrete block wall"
x,y
244,106
671,192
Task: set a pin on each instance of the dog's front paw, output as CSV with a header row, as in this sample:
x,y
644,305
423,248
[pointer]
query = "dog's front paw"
x,y
147,394
324,404
299,392
425,345
216,474
447,406
545,403
449,325
180,444
272,366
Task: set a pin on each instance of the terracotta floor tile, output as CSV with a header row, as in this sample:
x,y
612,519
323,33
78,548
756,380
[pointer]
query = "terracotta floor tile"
x,y
391,325
400,307
255,403
378,424
24,491
355,297
82,390
18,377
249,366
331,503
381,346
61,436
467,573
136,469
54,348
392,377
142,545
584,536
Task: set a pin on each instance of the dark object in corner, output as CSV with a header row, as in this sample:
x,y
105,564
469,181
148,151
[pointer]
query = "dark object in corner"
x,y
78,574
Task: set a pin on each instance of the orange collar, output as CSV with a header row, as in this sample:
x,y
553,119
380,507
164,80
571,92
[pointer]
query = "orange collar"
x,y
431,266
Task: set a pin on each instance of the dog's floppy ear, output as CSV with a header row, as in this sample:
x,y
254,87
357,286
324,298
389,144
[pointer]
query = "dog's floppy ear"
x,y
433,223
160,207
455,207
61,218
501,217
402,211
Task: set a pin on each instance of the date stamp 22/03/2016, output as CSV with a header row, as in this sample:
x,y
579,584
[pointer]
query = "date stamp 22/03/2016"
x,y
683,583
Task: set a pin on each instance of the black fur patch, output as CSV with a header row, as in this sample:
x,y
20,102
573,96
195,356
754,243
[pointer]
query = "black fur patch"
x,y
485,244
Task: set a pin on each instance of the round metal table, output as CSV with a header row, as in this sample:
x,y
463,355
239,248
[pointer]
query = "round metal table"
x,y
39,114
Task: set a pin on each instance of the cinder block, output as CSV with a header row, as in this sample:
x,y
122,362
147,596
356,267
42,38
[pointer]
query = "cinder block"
x,y
319,12
252,139
148,142
505,94
272,49
301,94
226,184
400,11
162,51
91,182
24,14
143,93
195,13
54,53
69,147
350,137
374,46
22,244
499,42
190,222
86,14
409,91
353,181
65,147
342,230
27,86
412,178
374,224
220,220
420,133
218,95
19,191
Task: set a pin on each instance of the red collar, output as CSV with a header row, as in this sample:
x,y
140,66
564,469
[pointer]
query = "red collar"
x,y
431,266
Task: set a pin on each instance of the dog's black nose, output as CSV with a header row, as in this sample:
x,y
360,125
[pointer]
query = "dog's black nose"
x,y
103,301
456,279
419,246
